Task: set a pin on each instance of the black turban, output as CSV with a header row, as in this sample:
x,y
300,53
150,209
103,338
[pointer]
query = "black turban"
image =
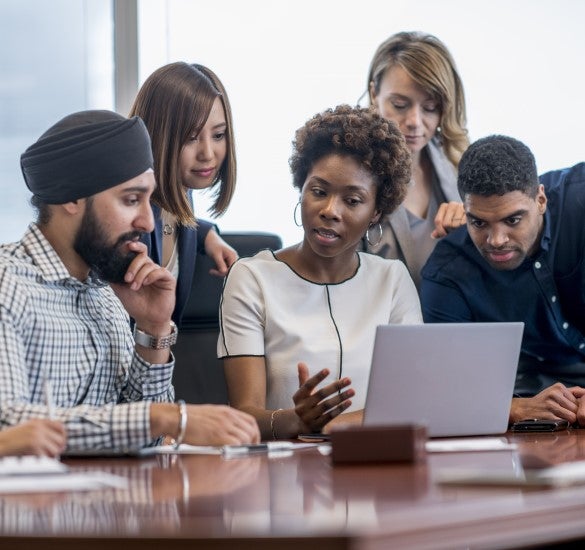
x,y
86,153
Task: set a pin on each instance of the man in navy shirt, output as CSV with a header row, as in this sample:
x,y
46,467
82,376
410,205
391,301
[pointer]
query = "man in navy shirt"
x,y
519,258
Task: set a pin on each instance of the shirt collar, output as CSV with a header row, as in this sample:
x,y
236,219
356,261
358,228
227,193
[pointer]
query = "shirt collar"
x,y
545,239
49,262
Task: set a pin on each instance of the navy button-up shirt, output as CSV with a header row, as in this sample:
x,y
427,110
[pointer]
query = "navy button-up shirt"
x,y
546,292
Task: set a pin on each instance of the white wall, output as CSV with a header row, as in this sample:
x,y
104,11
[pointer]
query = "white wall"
x,y
282,61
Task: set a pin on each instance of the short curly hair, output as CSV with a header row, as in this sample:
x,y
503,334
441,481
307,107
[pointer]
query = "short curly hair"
x,y
360,133
496,165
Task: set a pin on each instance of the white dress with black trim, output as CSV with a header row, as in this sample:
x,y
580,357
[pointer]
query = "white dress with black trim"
x,y
269,310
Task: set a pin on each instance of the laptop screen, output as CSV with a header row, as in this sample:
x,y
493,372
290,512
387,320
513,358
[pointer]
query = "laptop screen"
x,y
457,379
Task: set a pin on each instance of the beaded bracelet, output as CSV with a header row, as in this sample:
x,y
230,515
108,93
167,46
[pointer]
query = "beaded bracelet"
x,y
272,429
182,422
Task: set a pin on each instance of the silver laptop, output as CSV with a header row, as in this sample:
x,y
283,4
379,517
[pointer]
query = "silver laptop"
x,y
455,378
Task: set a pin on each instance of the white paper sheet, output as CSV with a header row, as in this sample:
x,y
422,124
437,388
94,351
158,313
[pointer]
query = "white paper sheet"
x,y
466,444
562,475
270,447
185,449
30,465
42,483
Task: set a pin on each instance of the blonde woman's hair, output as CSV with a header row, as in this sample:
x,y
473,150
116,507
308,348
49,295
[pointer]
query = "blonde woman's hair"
x,y
429,63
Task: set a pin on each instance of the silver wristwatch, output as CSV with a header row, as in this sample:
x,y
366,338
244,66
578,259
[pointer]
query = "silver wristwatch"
x,y
149,341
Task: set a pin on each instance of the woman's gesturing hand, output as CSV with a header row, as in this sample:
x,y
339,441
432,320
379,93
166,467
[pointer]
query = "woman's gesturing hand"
x,y
316,407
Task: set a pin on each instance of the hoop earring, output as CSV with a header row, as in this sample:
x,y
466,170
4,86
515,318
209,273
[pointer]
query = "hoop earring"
x,y
379,226
295,215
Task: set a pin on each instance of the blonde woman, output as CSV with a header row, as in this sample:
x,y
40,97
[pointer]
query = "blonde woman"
x,y
413,81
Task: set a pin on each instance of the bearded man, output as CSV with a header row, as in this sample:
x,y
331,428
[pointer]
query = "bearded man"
x,y
69,287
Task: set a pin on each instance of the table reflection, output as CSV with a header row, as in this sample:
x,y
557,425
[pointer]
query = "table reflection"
x,y
305,491
540,450
161,492
281,494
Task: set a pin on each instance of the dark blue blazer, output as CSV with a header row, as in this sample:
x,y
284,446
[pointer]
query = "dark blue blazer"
x,y
190,240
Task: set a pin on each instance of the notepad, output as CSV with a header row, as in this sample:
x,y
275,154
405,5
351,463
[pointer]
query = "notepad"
x,y
469,444
41,474
270,447
31,465
185,449
562,475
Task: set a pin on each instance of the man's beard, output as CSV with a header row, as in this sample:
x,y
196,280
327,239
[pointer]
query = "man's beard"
x,y
107,260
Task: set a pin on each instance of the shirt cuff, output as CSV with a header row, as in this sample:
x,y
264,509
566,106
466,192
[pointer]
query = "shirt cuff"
x,y
131,425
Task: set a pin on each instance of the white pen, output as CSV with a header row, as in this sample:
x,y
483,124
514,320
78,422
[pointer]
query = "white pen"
x,y
48,391
257,448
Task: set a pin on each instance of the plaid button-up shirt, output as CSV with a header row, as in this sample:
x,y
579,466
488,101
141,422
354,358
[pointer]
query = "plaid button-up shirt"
x,y
77,335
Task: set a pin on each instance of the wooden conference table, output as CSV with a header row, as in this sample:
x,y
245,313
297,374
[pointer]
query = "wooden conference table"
x,y
302,501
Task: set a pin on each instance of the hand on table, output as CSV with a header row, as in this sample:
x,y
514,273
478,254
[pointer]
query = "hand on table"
x,y
34,437
556,401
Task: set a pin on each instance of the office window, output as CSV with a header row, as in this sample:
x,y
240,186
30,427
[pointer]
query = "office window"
x,y
282,62
56,58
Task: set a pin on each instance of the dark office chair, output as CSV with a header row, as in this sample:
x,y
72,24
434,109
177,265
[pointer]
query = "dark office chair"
x,y
198,375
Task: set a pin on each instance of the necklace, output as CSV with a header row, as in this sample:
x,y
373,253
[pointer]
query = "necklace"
x,y
169,223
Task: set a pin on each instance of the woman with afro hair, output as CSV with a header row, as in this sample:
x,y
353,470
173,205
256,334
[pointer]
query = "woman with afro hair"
x,y
297,325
